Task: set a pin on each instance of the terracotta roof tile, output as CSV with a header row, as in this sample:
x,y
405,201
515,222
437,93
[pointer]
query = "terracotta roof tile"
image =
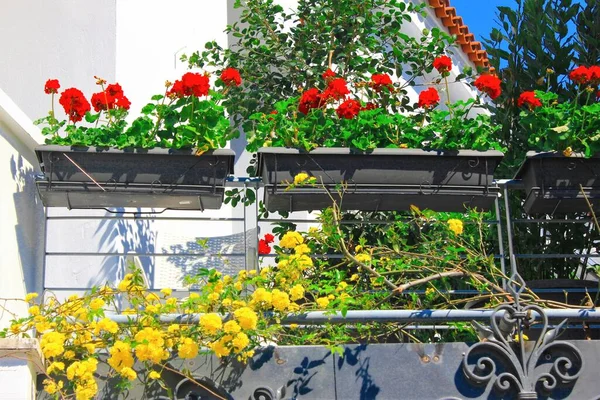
x,y
464,38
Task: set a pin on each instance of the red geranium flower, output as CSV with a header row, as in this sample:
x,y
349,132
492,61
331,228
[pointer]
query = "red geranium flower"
x,y
429,98
74,103
328,74
101,102
443,64
231,76
369,106
348,109
123,102
110,98
594,74
269,238
191,83
114,90
310,99
336,89
529,99
580,75
490,85
51,86
263,247
379,81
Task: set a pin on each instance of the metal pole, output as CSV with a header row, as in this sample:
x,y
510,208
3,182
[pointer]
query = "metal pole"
x,y
501,243
511,255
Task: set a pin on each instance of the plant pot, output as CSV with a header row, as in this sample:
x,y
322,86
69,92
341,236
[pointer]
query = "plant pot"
x,y
89,177
380,180
553,183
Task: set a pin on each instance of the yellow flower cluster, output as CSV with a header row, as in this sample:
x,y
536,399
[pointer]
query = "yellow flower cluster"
x,y
187,348
120,356
363,258
150,347
52,344
291,239
211,323
281,300
456,226
246,317
82,373
300,178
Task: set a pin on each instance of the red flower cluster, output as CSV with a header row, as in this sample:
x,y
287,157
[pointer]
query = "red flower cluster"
x,y
74,103
231,76
51,86
529,99
328,74
348,109
443,64
379,81
369,106
112,97
583,75
490,85
429,98
263,244
336,89
191,83
310,99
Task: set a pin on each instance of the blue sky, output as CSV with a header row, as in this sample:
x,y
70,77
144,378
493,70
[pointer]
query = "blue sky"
x,y
480,15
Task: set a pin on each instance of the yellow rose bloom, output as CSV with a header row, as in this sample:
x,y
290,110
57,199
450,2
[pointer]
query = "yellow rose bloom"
x,y
262,297
302,249
52,387
31,296
55,366
97,304
291,239
297,292
120,356
128,373
300,178
322,302
363,258
52,344
34,310
226,302
231,327
456,226
188,348
211,323
354,277
166,292
281,300
172,301
220,348
154,375
240,341
246,317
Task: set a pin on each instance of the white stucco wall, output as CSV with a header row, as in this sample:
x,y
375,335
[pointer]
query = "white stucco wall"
x,y
21,238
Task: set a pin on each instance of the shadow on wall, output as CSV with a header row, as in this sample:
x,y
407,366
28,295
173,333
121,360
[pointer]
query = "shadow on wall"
x,y
29,230
125,236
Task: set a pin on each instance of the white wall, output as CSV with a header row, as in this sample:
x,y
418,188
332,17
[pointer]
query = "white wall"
x,y
69,40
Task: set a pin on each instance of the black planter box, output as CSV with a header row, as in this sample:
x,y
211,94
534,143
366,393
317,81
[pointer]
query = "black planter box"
x,y
552,182
381,180
157,178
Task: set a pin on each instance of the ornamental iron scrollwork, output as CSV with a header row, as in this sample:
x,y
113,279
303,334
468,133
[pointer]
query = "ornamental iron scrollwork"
x,y
502,357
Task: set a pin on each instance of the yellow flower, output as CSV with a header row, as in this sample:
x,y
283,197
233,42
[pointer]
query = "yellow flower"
x,y
293,326
238,304
358,248
154,374
172,301
107,325
301,261
524,336
322,302
128,373
166,292
297,292
363,258
151,308
262,297
240,341
265,271
231,327
151,345
52,387
211,323
301,249
194,296
124,284
55,366
237,285
173,328
69,354
456,226
429,291
34,310
52,344
220,349
227,279
97,304
354,277
152,298
568,152
226,302
120,356
15,328
31,296
213,296
291,239
341,286
243,274
281,300
246,317
188,348
300,178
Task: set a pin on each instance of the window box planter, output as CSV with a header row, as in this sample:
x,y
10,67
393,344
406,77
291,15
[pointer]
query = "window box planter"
x,y
381,180
157,178
552,183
